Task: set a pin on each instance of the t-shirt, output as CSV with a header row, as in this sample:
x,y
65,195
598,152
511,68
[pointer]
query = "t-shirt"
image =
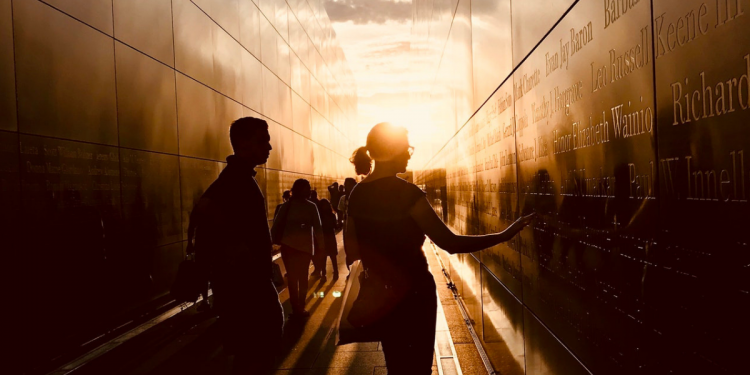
x,y
389,239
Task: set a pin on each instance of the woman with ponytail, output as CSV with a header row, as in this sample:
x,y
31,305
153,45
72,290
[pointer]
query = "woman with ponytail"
x,y
389,219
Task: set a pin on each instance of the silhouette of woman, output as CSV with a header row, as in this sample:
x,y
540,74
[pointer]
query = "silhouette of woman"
x,y
389,220
328,218
297,225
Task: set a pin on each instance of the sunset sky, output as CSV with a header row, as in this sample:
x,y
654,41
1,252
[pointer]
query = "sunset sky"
x,y
375,36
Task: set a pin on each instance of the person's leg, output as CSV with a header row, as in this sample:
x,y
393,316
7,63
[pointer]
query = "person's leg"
x,y
290,263
320,262
260,354
304,266
409,346
335,265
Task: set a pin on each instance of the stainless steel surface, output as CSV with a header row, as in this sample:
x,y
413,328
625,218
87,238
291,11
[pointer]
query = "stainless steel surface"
x,y
623,129
8,119
146,102
146,25
65,76
120,110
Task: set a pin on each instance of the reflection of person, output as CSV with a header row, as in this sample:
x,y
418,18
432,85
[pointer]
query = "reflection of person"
x,y
389,219
328,218
296,225
235,231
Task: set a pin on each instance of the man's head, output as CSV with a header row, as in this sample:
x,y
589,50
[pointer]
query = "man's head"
x,y
313,195
250,139
287,195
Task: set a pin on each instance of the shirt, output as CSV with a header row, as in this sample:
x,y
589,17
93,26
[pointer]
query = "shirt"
x,y
389,239
234,231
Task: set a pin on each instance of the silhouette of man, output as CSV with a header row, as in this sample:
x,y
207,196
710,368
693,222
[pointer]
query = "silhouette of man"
x,y
236,236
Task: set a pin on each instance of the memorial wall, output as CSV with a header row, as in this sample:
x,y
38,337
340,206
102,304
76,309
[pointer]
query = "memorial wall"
x,y
114,119
624,125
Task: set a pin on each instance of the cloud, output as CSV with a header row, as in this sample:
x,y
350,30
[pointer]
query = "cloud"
x,y
368,11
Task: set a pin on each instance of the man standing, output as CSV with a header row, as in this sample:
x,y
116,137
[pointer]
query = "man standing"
x,y
233,232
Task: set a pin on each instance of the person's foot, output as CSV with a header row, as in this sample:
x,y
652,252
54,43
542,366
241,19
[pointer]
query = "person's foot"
x,y
323,279
315,273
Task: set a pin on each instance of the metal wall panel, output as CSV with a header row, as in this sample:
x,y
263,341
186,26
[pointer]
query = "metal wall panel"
x,y
619,275
71,195
195,177
224,12
65,75
146,25
252,82
699,297
96,13
150,198
8,120
496,202
531,22
227,57
268,46
146,102
492,50
250,26
199,110
503,326
193,42
301,115
577,142
163,80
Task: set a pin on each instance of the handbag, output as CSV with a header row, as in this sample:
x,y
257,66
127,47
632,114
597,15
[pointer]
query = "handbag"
x,y
368,300
189,282
376,299
347,333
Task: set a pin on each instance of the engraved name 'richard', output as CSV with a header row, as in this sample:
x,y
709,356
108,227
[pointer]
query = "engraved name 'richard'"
x,y
710,100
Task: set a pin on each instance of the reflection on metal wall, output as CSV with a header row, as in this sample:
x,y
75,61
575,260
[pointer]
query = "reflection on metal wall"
x,y
624,124
114,119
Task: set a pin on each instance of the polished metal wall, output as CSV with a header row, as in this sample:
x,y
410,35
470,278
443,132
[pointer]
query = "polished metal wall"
x,y
624,125
114,119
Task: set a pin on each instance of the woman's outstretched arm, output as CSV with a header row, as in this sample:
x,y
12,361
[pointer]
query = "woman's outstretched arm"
x,y
453,243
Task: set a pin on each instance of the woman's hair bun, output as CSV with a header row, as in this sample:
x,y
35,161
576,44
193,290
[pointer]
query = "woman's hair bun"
x,y
362,161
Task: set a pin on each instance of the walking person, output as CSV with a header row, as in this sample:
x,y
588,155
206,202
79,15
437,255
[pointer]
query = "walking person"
x,y
349,184
234,234
388,221
298,230
284,198
328,218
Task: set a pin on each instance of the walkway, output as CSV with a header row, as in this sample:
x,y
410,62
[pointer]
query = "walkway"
x,y
190,344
